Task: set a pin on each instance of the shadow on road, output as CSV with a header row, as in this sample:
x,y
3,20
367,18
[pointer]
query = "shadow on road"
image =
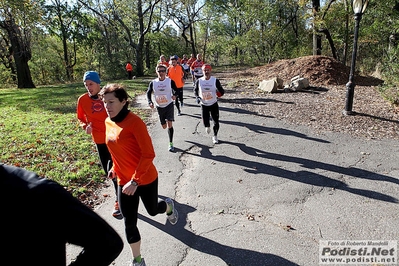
x,y
305,177
273,130
230,255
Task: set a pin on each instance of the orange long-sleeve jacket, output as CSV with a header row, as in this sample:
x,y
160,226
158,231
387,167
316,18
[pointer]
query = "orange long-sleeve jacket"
x,y
131,149
92,111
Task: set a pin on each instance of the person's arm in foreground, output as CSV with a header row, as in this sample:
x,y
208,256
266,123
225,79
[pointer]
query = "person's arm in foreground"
x,y
69,221
100,242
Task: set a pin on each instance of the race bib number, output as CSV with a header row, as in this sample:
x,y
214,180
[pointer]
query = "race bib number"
x,y
161,99
207,96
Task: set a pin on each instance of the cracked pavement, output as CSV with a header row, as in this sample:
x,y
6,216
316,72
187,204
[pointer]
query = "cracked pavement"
x,y
266,194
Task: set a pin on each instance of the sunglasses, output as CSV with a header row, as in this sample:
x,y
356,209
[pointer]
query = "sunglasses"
x,y
161,71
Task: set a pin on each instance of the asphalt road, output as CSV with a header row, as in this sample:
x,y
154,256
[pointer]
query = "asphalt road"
x,y
266,194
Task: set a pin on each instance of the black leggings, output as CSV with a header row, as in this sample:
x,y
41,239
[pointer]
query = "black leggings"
x,y
213,111
129,206
179,97
106,162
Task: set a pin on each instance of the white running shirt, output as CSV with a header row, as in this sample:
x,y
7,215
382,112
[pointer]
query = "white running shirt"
x,y
162,92
207,90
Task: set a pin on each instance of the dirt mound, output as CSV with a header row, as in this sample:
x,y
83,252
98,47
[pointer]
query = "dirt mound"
x,y
321,106
319,70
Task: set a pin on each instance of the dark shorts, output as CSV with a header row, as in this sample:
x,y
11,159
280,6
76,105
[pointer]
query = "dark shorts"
x,y
166,113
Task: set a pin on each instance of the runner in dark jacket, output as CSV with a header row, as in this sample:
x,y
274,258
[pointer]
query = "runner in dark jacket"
x,y
40,217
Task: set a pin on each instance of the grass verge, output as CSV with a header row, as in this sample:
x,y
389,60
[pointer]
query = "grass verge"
x,y
40,132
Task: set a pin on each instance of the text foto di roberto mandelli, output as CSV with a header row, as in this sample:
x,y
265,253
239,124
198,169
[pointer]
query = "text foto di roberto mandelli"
x,y
358,251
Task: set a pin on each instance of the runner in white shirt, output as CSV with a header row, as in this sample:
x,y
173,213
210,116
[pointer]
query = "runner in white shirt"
x,y
164,91
207,90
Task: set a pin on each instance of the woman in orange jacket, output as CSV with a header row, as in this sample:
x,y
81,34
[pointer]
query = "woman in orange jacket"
x,y
130,145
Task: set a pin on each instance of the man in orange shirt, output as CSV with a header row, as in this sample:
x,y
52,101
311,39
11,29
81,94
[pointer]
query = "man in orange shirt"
x,y
176,73
91,115
129,69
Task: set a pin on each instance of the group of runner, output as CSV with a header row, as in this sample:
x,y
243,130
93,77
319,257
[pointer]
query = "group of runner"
x,y
192,65
124,144
167,89
126,154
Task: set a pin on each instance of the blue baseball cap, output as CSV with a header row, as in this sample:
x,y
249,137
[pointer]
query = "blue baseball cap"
x,y
93,76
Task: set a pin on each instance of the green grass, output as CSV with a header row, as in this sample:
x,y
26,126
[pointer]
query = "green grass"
x,y
40,132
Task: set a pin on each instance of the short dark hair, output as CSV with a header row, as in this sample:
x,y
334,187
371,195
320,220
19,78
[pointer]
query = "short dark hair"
x,y
117,89
160,65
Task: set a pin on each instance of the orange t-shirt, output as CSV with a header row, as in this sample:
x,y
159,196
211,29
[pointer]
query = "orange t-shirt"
x,y
92,111
176,73
131,149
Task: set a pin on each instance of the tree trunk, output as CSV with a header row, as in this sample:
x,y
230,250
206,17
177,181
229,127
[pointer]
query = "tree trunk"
x,y
147,54
192,43
21,51
139,56
316,37
346,38
140,44
331,42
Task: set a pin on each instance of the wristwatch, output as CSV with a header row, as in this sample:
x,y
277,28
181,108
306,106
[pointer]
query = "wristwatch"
x,y
134,183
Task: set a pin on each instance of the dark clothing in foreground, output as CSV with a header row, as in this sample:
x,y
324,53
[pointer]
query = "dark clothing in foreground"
x,y
40,217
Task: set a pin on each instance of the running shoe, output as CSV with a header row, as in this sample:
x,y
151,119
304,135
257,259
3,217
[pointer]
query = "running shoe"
x,y
117,212
174,216
135,263
208,130
215,139
171,148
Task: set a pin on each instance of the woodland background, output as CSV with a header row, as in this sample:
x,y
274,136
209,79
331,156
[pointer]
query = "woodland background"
x,y
56,41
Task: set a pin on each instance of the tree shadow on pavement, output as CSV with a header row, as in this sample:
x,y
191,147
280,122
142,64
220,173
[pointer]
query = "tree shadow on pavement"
x,y
254,101
230,255
242,111
273,130
306,177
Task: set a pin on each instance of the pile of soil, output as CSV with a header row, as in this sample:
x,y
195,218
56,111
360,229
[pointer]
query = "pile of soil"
x,y
321,105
